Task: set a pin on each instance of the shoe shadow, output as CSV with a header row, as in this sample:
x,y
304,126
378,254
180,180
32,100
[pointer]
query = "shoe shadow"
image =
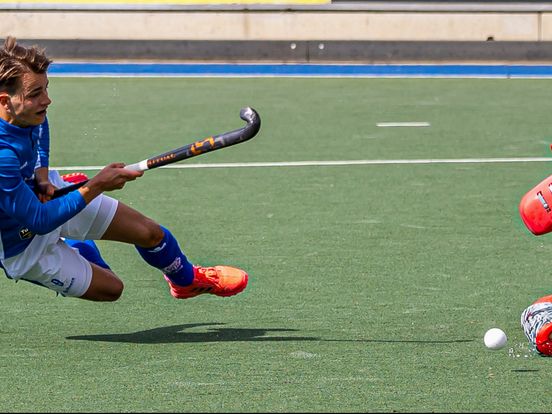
x,y
177,334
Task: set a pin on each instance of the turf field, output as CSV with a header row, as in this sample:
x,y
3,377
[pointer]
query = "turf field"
x,y
371,286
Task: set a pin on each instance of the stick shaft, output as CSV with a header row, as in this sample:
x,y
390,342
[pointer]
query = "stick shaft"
x,y
194,149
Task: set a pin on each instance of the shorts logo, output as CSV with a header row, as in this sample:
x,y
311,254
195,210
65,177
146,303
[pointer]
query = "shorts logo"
x,y
66,290
25,234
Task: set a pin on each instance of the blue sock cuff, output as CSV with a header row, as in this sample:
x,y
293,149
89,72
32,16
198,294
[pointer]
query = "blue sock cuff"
x,y
168,258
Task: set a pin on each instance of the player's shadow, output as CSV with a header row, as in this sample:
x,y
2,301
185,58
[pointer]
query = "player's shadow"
x,y
182,334
179,334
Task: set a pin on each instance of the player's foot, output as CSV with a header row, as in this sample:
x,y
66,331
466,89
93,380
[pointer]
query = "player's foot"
x,y
74,178
217,280
536,322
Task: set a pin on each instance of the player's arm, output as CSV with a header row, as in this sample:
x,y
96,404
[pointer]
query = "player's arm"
x,y
20,202
45,189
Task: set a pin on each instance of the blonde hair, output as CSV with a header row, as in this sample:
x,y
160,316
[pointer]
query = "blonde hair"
x,y
16,60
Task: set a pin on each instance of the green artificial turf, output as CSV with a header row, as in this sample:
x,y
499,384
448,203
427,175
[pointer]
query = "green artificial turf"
x,y
371,286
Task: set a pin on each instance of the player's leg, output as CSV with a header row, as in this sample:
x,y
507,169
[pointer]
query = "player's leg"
x,y
536,322
78,235
62,269
159,248
156,245
104,285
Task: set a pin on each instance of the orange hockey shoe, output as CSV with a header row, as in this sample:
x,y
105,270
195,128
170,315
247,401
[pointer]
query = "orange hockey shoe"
x,y
74,178
217,280
536,322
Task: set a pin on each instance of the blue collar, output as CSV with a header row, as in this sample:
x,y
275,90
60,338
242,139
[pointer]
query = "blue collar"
x,y
14,130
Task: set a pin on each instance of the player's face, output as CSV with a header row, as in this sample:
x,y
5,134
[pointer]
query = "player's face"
x,y
30,101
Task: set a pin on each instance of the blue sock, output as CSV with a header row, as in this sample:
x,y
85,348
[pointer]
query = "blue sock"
x,y
168,258
88,250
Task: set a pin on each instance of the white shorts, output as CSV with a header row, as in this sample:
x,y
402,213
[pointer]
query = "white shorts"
x,y
48,261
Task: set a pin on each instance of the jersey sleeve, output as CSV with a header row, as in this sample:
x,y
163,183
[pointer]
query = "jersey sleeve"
x,y
17,200
43,145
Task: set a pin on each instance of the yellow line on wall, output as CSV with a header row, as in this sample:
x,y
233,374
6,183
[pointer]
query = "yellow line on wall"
x,y
163,2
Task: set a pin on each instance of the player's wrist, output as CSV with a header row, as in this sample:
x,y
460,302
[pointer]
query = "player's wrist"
x,y
90,190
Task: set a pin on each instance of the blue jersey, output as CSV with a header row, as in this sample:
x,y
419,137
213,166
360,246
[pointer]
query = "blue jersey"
x,y
22,215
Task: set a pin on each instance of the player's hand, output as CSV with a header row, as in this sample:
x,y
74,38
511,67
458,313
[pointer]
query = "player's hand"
x,y
114,177
45,191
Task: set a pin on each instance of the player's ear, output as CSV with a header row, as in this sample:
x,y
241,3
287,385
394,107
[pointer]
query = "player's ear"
x,y
4,99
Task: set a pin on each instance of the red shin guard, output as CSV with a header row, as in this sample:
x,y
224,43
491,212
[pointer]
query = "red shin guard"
x,y
535,208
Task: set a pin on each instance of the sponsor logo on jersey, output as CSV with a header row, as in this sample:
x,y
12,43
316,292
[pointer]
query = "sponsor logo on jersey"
x,y
25,234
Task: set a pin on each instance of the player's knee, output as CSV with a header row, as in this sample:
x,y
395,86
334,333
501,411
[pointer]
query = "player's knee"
x,y
153,234
114,291
104,288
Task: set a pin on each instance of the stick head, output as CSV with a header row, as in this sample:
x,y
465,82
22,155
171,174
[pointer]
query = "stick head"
x,y
535,208
253,120
247,114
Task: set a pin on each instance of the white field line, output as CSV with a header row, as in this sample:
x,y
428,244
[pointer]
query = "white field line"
x,y
402,124
331,163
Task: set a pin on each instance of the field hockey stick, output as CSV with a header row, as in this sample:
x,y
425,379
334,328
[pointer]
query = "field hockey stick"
x,y
194,149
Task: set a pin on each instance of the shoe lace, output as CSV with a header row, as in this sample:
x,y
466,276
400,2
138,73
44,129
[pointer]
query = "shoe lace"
x,y
209,273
